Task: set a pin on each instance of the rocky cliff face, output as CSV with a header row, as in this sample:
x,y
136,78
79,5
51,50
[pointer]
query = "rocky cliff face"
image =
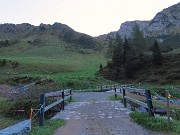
x,y
127,27
169,17
166,22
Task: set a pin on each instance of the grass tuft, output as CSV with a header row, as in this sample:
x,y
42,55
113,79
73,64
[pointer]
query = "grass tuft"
x,y
114,99
155,123
73,99
49,127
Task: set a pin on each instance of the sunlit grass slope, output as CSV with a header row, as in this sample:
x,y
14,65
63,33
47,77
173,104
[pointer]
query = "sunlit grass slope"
x,y
58,60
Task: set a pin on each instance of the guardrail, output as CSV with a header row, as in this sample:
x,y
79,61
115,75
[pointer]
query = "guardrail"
x,y
64,94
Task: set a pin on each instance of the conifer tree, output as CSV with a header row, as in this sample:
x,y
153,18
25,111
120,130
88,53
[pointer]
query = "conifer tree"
x,y
138,40
100,67
4,62
117,51
125,49
157,56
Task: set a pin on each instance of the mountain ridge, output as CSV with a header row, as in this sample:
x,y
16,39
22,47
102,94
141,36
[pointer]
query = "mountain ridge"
x,y
165,27
26,31
165,23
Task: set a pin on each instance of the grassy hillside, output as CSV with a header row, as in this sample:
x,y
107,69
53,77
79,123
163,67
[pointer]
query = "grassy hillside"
x,y
55,60
52,65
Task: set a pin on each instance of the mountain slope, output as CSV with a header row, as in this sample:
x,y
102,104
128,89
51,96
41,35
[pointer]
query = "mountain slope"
x,y
165,27
46,33
166,22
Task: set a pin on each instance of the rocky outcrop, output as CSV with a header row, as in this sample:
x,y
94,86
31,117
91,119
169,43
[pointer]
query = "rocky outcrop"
x,y
168,18
127,27
8,29
107,36
165,23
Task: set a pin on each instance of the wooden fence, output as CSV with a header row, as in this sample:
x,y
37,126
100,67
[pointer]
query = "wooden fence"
x,y
148,103
112,87
123,88
63,94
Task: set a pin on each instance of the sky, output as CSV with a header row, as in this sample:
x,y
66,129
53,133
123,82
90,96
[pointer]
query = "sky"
x,y
93,17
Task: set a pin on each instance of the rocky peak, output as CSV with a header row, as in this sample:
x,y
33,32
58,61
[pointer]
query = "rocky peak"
x,y
165,22
24,27
57,25
126,28
8,29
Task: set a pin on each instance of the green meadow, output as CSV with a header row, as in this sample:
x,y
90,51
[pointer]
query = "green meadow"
x,y
59,61
65,64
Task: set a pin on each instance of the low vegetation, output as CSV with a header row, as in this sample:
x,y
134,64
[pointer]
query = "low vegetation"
x,y
155,123
113,98
6,121
56,61
49,127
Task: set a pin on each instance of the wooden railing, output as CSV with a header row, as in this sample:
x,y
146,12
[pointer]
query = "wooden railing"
x,y
63,94
142,92
113,86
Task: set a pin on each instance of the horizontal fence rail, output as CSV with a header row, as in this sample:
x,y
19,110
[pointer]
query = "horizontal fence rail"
x,y
129,88
135,90
117,86
148,103
136,101
53,104
63,94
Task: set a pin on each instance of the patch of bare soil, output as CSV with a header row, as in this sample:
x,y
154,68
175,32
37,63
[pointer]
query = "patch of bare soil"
x,y
5,90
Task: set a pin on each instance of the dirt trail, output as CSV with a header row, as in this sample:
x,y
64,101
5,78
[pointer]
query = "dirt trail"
x,y
94,114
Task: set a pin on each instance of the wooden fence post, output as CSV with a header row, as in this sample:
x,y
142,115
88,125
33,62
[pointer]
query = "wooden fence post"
x,y
42,109
115,92
30,116
63,100
124,99
101,88
168,107
149,102
70,92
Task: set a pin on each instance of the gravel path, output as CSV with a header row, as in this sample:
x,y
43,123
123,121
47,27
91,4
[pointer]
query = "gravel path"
x,y
94,114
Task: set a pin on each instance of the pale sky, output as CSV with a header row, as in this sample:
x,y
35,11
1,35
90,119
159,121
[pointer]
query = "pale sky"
x,y
93,17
